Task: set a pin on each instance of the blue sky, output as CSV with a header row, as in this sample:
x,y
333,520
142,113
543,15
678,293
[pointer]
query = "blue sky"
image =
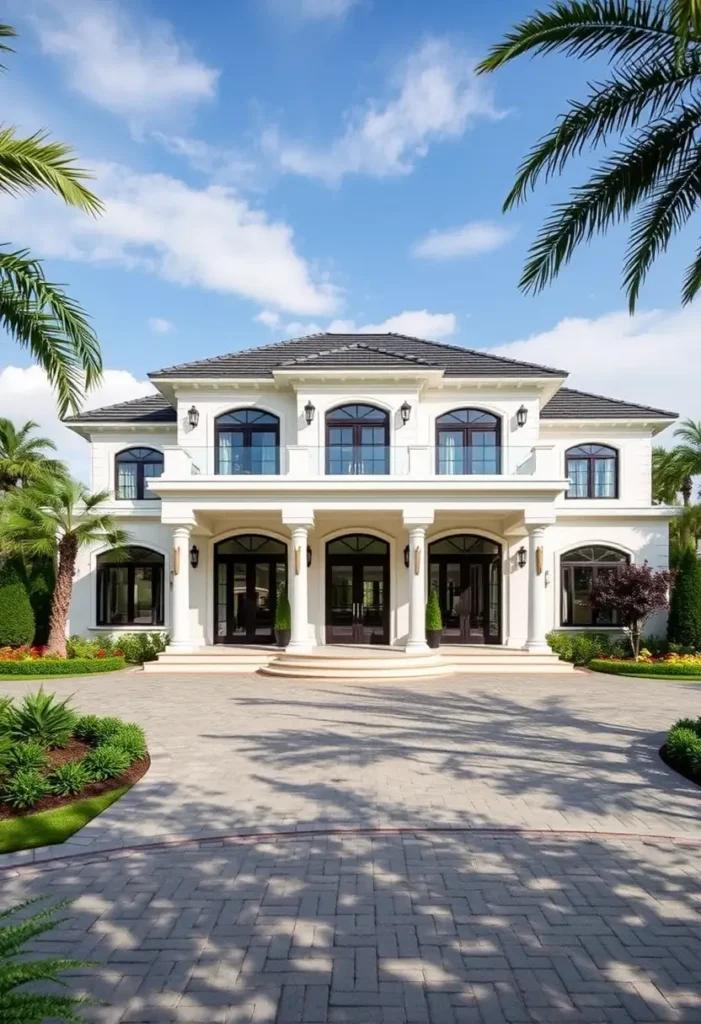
x,y
271,167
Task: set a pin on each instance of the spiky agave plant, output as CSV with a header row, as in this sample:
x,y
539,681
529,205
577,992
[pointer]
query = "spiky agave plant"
x,y
18,1006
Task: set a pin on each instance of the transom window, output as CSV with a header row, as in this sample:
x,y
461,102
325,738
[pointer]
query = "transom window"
x,y
134,467
130,588
247,442
357,544
592,470
467,442
464,544
579,569
251,544
357,439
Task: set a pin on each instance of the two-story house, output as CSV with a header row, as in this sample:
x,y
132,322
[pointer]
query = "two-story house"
x,y
358,471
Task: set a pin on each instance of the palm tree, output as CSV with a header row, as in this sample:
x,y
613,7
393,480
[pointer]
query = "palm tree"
x,y
650,101
37,314
688,453
57,517
685,530
22,458
669,477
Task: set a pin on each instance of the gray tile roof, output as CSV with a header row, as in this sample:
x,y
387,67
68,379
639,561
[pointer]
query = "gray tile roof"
x,y
149,409
337,351
568,404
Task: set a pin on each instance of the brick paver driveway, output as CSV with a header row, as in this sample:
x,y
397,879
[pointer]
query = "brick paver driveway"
x,y
417,925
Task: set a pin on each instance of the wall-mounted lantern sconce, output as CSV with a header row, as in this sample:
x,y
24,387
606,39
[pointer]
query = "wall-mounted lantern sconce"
x,y
405,412
309,411
521,555
193,416
522,416
194,556
309,557
407,554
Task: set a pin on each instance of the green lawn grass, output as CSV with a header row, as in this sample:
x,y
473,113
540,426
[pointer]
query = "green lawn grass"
x,y
49,827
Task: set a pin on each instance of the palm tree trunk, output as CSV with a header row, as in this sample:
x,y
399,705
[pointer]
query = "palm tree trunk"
x,y
67,552
686,489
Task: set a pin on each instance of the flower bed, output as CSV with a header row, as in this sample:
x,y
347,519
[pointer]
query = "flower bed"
x,y
682,751
50,756
60,666
688,665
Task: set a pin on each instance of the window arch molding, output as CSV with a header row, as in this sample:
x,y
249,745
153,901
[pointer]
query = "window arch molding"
x,y
357,439
130,587
468,441
133,468
579,568
246,442
593,470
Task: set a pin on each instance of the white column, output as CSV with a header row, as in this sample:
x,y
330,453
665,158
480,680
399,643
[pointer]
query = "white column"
x,y
298,589
417,589
536,641
180,636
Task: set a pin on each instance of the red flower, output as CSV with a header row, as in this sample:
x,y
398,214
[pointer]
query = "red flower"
x,y
101,653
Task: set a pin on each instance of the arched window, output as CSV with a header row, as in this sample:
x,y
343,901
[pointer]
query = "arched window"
x,y
592,470
134,467
247,442
357,440
467,441
579,569
130,587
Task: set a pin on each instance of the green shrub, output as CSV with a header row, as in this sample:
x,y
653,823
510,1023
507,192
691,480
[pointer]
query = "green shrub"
x,y
140,647
68,779
646,668
16,615
434,619
106,762
5,704
6,747
130,738
683,746
689,723
29,754
580,648
50,667
86,728
684,624
283,612
42,718
24,789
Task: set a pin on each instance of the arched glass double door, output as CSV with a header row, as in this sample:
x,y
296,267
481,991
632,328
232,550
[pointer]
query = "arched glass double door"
x,y
465,570
249,571
357,590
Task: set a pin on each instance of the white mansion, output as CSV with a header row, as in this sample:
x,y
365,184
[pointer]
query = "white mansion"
x,y
360,470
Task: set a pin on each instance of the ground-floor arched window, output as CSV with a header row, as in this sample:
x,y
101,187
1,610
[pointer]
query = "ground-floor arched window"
x,y
130,587
579,569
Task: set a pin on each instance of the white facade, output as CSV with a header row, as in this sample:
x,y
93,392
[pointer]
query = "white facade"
x,y
524,505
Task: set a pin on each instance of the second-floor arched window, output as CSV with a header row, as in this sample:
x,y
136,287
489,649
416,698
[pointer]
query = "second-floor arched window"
x,y
247,441
592,470
468,441
357,440
134,467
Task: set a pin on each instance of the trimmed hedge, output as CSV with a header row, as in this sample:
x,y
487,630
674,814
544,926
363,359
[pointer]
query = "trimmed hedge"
x,y
684,625
646,668
683,748
16,615
61,666
580,648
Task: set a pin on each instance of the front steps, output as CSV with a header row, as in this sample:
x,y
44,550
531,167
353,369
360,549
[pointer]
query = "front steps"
x,y
357,664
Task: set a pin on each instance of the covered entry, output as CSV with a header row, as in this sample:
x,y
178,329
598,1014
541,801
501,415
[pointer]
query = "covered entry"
x,y
357,590
466,571
248,573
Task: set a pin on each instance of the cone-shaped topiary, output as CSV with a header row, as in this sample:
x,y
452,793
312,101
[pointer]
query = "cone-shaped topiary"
x,y
283,613
685,611
434,619
16,615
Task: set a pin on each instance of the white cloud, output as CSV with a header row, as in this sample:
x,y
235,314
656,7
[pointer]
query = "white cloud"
x,y
300,330
158,325
224,166
138,70
268,318
469,240
649,358
25,394
417,322
209,238
435,95
313,10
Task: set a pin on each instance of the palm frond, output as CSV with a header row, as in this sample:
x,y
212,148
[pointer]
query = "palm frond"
x,y
36,162
685,21
690,433
692,279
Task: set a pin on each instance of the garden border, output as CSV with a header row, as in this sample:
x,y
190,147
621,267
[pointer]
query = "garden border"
x,y
53,668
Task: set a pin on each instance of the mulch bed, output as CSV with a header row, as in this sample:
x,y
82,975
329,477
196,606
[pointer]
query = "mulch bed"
x,y
74,751
675,767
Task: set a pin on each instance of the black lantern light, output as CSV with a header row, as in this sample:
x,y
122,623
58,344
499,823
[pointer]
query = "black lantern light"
x,y
309,557
193,416
194,556
406,556
522,416
521,555
309,411
405,412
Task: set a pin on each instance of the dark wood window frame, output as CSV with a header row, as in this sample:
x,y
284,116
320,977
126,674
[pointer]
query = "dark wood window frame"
x,y
356,445
468,428
154,457
567,567
265,423
155,562
605,453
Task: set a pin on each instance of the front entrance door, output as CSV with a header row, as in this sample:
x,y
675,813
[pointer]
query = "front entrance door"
x,y
249,572
468,581
357,590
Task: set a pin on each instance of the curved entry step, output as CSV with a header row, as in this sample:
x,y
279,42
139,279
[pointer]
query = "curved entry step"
x,y
359,663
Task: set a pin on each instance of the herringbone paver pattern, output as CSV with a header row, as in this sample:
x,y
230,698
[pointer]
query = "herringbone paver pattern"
x,y
423,928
